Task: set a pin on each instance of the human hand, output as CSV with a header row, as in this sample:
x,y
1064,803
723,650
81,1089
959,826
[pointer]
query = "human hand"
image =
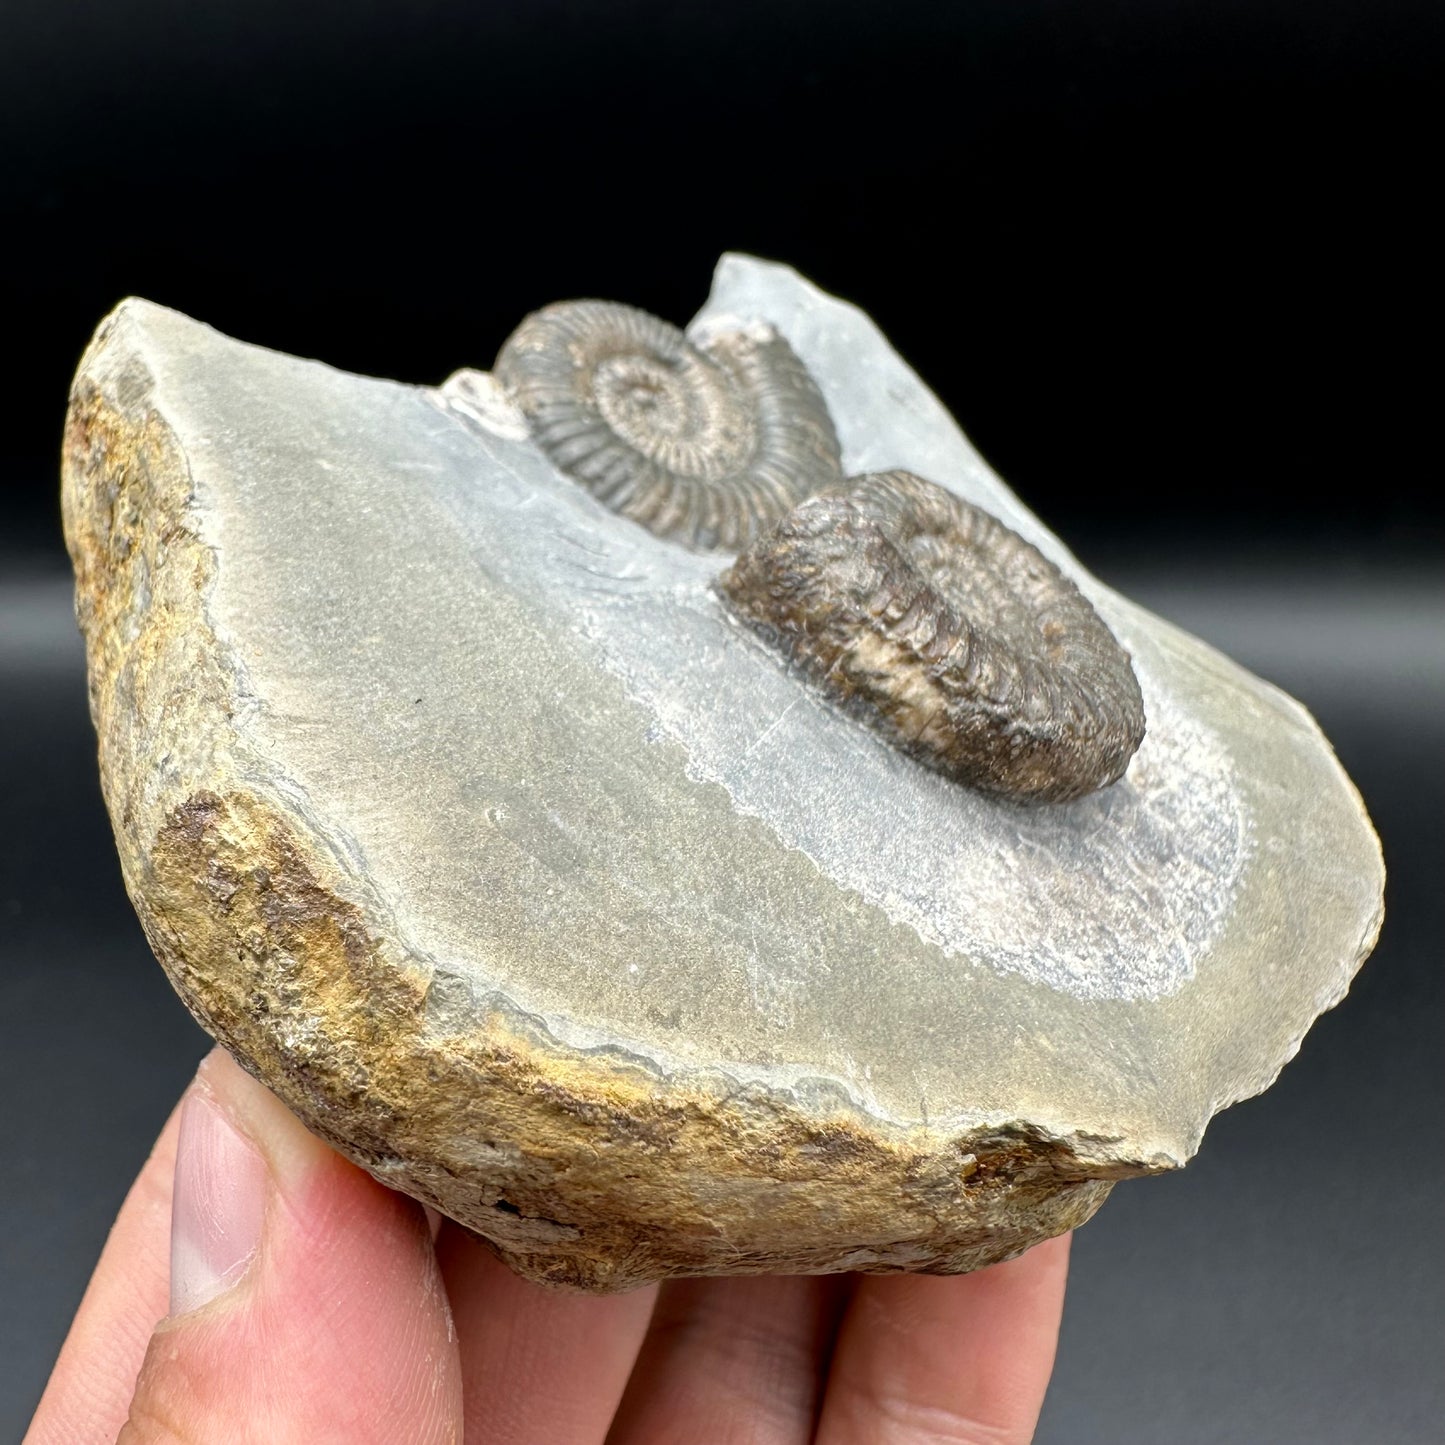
x,y
304,1302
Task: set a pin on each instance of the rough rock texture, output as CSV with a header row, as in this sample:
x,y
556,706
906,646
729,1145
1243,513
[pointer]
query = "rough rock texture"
x,y
460,811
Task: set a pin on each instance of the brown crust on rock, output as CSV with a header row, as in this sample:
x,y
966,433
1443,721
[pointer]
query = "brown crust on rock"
x,y
576,1174
582,1170
948,632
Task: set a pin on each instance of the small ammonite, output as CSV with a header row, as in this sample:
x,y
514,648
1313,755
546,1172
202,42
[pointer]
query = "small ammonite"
x,y
706,445
947,631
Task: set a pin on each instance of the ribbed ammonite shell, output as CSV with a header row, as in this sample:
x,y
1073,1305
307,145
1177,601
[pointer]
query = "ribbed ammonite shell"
x,y
705,445
947,631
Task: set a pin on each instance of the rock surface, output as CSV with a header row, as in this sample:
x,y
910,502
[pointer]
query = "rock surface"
x,y
459,810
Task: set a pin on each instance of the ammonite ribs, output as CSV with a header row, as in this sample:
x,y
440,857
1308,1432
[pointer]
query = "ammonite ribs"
x,y
704,445
947,631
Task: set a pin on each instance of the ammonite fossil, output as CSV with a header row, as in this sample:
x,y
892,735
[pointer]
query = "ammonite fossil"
x,y
946,630
706,445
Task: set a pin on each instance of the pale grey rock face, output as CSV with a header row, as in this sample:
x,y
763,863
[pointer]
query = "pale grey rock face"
x,y
574,803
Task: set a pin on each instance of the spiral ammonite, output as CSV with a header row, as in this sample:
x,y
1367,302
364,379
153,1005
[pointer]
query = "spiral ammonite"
x,y
705,445
947,631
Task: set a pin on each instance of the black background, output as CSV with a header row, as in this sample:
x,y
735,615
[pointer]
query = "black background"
x,y
1168,264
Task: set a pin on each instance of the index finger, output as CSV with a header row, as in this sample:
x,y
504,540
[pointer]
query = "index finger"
x,y
962,1358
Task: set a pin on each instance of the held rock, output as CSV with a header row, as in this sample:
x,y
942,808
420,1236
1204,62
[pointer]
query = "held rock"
x,y
460,809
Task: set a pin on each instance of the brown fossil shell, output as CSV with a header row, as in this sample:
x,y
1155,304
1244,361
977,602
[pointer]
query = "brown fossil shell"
x,y
947,631
705,445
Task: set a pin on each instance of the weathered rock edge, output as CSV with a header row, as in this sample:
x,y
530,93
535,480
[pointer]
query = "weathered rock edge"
x,y
577,1169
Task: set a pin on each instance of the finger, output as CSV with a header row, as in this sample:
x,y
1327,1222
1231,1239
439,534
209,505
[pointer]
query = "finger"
x,y
305,1300
963,1359
732,1360
536,1364
90,1388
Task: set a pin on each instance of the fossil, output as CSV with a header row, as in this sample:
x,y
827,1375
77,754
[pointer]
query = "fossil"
x,y
936,623
464,814
702,444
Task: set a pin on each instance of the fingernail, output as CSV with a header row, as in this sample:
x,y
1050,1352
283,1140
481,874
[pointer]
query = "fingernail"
x,y
217,1207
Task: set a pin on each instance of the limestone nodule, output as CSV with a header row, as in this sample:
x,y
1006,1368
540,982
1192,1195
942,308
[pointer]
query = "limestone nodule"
x,y
462,810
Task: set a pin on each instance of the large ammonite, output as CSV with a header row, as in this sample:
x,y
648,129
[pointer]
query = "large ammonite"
x,y
705,445
947,631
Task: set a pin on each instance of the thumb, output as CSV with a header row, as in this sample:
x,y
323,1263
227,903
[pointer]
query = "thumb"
x,y
306,1303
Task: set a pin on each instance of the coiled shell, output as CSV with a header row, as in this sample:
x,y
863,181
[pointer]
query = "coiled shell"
x,y
950,633
705,445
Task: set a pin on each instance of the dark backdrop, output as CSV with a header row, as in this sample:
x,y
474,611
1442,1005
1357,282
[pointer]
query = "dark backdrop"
x,y
1165,261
